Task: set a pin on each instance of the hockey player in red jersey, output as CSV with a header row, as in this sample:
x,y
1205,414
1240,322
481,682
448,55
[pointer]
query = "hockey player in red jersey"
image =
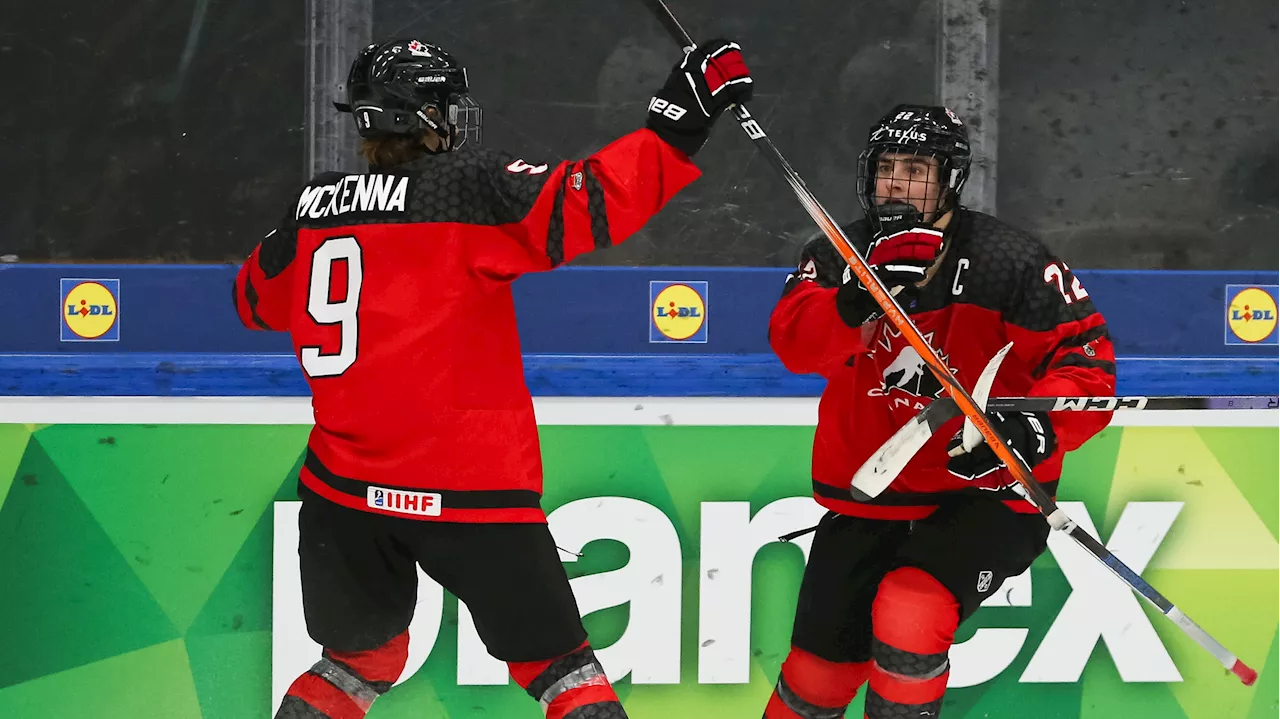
x,y
890,579
395,286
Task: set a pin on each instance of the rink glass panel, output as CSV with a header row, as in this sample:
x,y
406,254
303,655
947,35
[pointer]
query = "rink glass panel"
x,y
1130,134
1141,135
561,79
148,131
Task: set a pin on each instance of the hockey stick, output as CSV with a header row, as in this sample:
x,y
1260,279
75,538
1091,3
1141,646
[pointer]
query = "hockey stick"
x,y
1057,518
878,472
882,467
1110,404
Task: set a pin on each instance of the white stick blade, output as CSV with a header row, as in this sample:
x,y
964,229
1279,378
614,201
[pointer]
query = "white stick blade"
x,y
981,391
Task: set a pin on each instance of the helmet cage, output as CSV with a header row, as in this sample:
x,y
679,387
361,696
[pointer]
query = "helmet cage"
x,y
946,188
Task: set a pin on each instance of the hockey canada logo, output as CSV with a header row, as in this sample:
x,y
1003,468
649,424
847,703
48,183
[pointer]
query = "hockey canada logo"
x,y
907,372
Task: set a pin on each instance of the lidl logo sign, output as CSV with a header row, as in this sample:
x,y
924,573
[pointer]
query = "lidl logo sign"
x,y
90,310
678,311
1251,315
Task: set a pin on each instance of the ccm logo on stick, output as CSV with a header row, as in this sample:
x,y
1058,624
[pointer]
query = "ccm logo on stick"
x,y
1099,403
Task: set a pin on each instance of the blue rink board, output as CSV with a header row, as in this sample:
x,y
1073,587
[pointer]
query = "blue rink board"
x,y
584,310
586,332
755,375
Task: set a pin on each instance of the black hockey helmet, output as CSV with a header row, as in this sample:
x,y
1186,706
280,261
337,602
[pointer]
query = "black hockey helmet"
x,y
922,131
393,85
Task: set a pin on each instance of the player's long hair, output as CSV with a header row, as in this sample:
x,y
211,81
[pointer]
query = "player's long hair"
x,y
392,150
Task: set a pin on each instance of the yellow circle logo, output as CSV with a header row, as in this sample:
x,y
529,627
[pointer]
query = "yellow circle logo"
x,y
679,312
90,310
1252,315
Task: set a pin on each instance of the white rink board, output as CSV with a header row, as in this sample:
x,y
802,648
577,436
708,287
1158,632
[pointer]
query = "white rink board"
x,y
683,411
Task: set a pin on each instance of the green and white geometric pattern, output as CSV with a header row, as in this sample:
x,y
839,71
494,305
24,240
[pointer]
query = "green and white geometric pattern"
x,y
136,568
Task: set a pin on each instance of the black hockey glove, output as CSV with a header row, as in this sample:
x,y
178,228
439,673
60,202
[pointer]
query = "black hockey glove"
x,y
700,87
854,303
1029,434
856,306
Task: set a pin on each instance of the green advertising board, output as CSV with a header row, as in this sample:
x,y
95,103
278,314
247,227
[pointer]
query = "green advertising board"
x,y
139,551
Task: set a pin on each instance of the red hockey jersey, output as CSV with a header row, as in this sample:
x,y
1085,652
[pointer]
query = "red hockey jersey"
x,y
994,285
395,287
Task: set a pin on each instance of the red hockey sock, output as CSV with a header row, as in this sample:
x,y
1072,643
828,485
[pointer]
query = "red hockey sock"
x,y
311,697
914,620
811,686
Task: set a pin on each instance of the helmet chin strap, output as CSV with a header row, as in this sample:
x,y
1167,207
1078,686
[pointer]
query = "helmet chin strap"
x,y
445,134
894,217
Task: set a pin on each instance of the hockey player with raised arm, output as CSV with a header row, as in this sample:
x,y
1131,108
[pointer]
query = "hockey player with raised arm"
x,y
890,579
395,286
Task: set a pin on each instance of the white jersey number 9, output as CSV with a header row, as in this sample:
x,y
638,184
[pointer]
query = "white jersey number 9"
x,y
326,312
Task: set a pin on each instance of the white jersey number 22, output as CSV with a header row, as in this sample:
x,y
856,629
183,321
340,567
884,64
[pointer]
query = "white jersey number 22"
x,y
1056,272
